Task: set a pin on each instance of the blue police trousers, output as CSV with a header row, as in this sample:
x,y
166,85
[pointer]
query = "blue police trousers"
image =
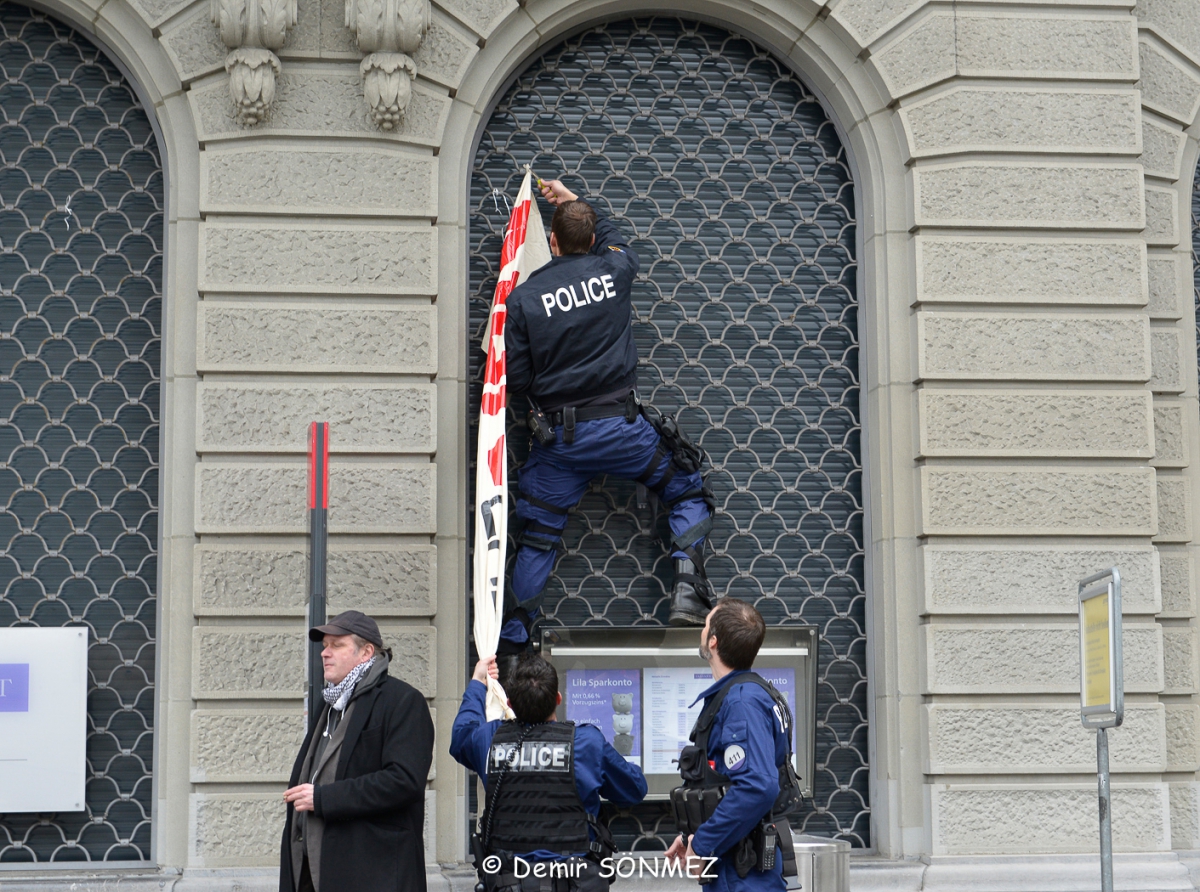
x,y
558,475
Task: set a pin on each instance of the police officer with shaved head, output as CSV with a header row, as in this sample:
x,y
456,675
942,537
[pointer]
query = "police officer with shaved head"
x,y
570,349
544,780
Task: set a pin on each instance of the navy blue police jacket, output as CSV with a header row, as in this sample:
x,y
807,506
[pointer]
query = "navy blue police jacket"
x,y
747,744
569,333
599,769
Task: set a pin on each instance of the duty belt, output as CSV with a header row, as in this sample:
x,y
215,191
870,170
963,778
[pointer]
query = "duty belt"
x,y
569,416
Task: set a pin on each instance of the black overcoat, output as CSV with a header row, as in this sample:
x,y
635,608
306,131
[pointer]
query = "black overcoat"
x,y
374,811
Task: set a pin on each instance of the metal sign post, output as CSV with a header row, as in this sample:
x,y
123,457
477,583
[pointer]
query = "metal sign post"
x,y
1101,687
318,545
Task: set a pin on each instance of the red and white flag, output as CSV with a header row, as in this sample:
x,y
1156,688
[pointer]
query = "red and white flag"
x,y
525,250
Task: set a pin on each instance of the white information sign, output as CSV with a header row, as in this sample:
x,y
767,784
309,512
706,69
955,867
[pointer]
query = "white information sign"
x,y
43,719
669,692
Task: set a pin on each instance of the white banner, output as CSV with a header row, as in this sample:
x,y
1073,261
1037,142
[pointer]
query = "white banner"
x,y
524,251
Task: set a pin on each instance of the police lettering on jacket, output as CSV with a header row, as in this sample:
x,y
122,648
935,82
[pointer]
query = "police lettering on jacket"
x,y
535,756
592,290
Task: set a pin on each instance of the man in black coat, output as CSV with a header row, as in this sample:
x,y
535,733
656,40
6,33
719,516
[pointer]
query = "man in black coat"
x,y
356,799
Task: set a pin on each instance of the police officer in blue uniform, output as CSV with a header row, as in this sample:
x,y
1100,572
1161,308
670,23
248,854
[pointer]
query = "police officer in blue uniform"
x,y
748,743
544,781
570,348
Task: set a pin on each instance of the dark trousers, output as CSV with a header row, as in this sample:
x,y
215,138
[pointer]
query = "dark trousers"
x,y
306,883
586,879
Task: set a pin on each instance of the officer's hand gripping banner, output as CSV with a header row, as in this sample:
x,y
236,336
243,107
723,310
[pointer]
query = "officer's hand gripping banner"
x,y
525,250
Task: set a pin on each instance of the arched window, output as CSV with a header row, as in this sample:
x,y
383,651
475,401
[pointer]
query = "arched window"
x,y
81,234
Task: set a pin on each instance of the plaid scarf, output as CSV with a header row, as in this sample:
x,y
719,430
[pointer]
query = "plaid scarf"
x,y
338,695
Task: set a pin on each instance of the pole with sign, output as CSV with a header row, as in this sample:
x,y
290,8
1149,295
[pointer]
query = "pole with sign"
x,y
1101,687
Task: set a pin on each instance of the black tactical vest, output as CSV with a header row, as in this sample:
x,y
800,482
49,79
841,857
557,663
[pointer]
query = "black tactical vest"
x,y
533,802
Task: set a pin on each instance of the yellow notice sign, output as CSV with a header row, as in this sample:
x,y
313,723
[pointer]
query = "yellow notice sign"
x,y
1097,658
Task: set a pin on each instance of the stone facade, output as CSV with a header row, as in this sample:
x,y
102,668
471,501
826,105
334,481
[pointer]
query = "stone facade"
x,y
1024,177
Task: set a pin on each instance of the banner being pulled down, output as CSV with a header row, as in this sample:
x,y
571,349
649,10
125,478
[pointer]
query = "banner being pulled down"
x,y
525,250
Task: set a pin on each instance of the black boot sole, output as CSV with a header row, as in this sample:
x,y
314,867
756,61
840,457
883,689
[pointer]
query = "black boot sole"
x,y
680,618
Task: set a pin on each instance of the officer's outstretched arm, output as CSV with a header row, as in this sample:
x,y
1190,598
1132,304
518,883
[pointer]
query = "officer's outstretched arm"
x,y
471,735
624,783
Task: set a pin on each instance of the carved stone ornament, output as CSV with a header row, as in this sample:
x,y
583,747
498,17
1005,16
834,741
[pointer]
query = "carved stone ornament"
x,y
389,30
252,29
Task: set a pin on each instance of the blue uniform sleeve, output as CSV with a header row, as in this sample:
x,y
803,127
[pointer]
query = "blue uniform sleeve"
x,y
623,781
754,778
517,357
611,245
471,736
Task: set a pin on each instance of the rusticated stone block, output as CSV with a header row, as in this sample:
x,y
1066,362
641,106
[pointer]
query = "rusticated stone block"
x,y
868,19
1043,46
279,337
1061,195
446,51
363,498
1185,815
347,180
1183,736
245,746
922,54
284,257
155,12
957,346
987,119
1040,739
1057,818
1170,445
240,417
1169,85
1163,273
1174,510
1162,219
260,580
481,16
1035,423
1177,600
1179,660
1033,658
1166,350
1038,502
248,662
1162,148
991,579
321,102
236,829
414,650
1041,271
1174,21
194,44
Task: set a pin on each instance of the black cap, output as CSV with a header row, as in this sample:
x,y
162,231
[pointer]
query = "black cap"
x,y
349,622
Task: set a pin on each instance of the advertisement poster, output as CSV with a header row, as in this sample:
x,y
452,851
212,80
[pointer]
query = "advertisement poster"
x,y
610,699
784,681
668,718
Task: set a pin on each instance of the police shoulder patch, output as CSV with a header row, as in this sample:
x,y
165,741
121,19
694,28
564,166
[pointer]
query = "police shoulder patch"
x,y
615,248
735,757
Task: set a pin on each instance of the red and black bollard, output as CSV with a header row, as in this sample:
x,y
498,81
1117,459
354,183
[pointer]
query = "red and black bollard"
x,y
318,546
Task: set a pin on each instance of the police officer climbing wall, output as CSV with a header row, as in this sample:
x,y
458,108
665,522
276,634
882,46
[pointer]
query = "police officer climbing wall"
x,y
544,780
739,784
571,351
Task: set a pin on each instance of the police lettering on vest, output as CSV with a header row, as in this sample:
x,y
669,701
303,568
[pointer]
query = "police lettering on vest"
x,y
535,756
568,297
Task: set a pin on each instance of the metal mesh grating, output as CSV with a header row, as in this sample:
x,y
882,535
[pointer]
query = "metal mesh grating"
x,y
728,178
81,224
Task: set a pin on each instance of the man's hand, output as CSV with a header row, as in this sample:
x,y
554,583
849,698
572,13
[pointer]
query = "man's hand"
x,y
486,669
675,852
301,797
556,193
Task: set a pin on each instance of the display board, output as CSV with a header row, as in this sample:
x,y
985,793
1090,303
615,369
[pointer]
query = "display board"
x,y
43,719
638,687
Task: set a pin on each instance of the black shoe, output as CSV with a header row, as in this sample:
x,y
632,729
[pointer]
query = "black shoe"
x,y
692,598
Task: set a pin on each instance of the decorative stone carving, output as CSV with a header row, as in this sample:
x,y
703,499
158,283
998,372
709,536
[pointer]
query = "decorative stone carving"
x,y
252,29
388,30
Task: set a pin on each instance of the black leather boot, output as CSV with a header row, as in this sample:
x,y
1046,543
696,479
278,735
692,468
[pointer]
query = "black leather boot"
x,y
692,598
